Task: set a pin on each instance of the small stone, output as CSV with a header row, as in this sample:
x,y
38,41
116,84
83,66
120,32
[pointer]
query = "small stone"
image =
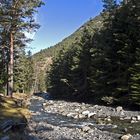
x,y
95,106
91,114
81,116
64,114
83,103
138,117
122,113
71,115
121,118
30,128
77,109
76,117
90,131
127,118
125,130
85,112
44,104
100,121
119,109
85,128
134,118
126,137
114,126
133,121
108,119
37,113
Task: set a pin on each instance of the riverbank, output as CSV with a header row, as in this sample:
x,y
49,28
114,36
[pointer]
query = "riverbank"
x,y
61,120
13,118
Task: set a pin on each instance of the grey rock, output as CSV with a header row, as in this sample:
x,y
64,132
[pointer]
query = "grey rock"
x,y
76,117
138,117
44,104
126,137
127,118
119,109
56,126
71,115
85,112
133,121
134,118
85,128
95,106
81,116
91,114
77,109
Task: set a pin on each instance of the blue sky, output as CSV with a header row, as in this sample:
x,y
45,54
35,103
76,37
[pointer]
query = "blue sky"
x,y
60,18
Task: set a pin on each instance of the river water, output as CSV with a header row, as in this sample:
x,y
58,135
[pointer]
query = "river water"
x,y
117,126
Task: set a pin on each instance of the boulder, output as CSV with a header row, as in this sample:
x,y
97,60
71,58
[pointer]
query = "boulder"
x,y
127,118
119,109
132,121
95,106
71,114
126,137
85,112
76,117
44,104
138,117
85,128
90,115
134,118
81,116
108,119
77,109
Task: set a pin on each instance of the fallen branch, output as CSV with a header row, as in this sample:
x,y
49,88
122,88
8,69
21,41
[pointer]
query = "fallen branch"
x,y
9,124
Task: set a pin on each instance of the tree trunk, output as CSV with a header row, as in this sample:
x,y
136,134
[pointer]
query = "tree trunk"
x,y
10,67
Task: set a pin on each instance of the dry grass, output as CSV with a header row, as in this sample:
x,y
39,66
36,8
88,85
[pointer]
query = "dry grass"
x,y
10,110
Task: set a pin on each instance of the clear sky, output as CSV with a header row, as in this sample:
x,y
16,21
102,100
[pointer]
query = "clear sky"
x,y
60,18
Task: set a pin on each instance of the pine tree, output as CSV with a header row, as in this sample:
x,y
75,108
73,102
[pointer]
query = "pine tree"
x,y
80,67
14,13
109,5
23,73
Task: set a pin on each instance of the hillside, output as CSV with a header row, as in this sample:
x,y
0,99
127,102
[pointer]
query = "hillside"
x,y
91,25
42,59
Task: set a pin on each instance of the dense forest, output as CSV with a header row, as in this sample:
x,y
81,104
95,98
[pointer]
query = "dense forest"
x,y
102,65
43,59
16,69
99,63
84,87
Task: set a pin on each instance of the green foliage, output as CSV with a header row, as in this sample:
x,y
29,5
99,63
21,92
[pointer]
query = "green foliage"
x,y
43,59
103,64
23,73
17,17
109,4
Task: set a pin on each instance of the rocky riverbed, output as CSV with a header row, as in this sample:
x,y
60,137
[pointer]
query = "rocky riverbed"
x,y
61,120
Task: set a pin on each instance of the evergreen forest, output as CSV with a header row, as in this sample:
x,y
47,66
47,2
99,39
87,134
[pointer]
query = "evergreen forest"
x,y
102,64
86,86
16,66
98,63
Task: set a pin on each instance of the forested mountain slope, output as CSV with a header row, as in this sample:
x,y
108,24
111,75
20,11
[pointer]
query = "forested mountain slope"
x,y
100,62
43,59
92,25
103,65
